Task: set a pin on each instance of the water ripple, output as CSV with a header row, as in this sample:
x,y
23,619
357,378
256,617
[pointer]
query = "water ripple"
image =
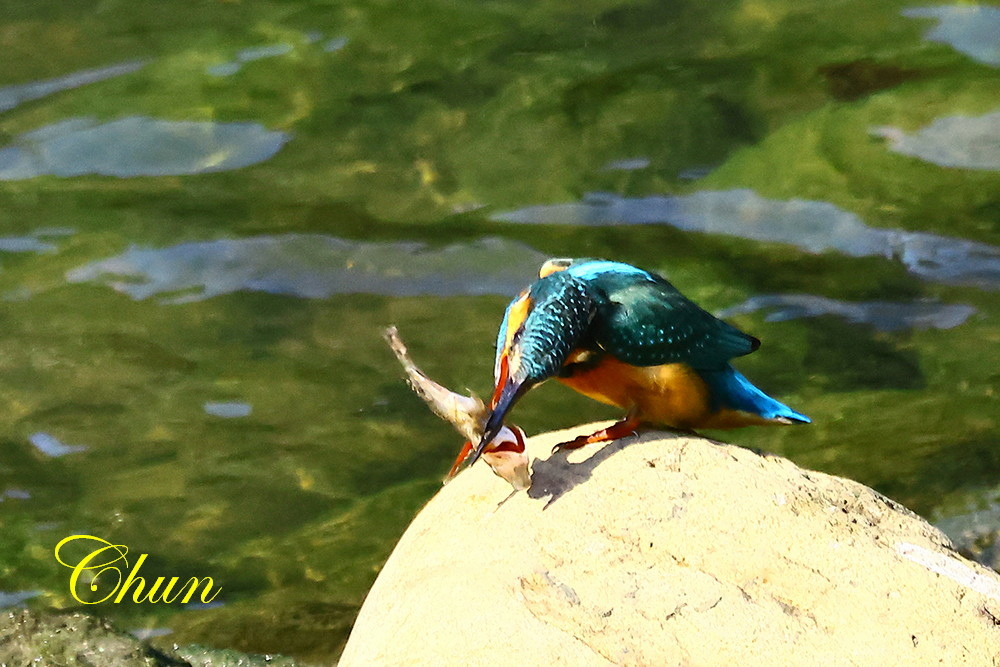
x,y
12,96
314,266
334,44
137,146
51,446
253,53
228,409
25,244
17,598
971,29
248,55
813,226
966,142
15,494
883,315
626,164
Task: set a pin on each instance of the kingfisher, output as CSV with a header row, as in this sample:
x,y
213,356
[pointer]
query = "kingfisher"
x,y
626,337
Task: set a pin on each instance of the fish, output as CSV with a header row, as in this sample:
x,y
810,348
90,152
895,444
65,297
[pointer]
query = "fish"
x,y
505,452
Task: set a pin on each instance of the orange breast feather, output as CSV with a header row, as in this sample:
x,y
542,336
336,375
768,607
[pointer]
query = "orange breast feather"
x,y
669,394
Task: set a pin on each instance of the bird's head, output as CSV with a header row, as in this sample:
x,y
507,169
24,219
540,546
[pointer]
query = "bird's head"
x,y
540,328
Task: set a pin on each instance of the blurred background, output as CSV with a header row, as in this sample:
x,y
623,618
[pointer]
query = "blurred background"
x,y
210,209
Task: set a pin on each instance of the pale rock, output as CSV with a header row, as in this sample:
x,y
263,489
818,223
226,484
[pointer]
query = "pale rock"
x,y
672,550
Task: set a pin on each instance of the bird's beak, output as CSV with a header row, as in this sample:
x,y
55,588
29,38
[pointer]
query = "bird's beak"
x,y
506,395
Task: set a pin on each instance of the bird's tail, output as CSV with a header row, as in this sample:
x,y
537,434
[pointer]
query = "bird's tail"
x,y
730,389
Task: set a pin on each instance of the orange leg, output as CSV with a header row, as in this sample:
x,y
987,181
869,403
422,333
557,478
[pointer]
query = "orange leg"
x,y
622,429
462,455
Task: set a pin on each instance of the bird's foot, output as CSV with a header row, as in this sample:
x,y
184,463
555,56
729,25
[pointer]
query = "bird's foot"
x,y
622,429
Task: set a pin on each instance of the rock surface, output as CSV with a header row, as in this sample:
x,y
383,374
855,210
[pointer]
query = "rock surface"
x,y
80,640
669,550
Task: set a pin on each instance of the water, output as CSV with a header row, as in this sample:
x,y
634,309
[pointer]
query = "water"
x,y
136,146
810,225
208,215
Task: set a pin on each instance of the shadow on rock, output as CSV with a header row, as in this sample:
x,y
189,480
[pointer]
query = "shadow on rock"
x,y
554,476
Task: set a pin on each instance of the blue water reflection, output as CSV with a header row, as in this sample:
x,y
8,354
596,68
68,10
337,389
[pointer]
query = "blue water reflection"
x,y
51,446
253,53
315,266
17,598
971,29
249,55
967,142
334,44
261,52
627,164
137,146
882,315
38,241
813,226
12,96
224,69
228,409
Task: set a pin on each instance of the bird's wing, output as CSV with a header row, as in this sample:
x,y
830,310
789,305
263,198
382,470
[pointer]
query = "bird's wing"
x,y
646,321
